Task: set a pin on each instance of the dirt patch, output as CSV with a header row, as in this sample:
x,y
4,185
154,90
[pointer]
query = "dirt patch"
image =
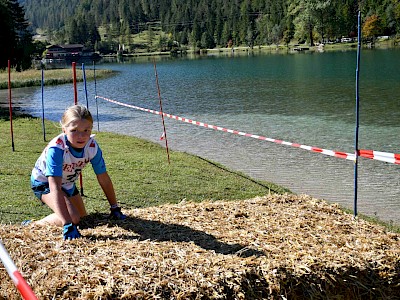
x,y
273,247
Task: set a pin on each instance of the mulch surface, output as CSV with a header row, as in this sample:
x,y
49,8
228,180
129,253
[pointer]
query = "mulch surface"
x,y
272,247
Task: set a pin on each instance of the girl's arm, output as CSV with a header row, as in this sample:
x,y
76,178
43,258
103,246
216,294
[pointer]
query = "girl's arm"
x,y
107,187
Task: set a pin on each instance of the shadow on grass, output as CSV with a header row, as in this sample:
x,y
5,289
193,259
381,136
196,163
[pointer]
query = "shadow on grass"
x,y
5,113
162,232
271,187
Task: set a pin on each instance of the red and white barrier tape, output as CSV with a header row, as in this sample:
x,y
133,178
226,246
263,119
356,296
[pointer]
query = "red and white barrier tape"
x,y
15,275
382,156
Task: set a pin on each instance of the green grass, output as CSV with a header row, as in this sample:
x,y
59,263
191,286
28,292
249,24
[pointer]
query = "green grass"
x,y
139,169
51,77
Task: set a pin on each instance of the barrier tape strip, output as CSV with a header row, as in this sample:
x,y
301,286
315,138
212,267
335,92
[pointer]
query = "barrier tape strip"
x,y
15,275
382,156
371,154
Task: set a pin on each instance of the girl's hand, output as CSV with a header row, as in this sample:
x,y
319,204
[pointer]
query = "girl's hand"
x,y
116,214
71,232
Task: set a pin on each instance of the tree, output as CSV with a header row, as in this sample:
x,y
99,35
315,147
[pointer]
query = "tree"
x,y
14,30
39,48
6,33
83,30
244,21
263,25
287,37
207,41
226,35
322,14
93,35
150,37
276,34
73,32
309,16
371,27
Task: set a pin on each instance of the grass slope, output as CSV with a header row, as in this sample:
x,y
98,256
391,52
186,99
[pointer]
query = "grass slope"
x,y
139,170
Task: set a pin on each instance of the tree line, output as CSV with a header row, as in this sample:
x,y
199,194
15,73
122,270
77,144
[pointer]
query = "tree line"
x,y
212,23
194,23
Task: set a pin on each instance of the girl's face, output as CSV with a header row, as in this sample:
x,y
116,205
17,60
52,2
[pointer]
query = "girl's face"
x,y
78,132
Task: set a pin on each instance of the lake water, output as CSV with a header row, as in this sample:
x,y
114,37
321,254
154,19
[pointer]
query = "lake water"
x,y
307,98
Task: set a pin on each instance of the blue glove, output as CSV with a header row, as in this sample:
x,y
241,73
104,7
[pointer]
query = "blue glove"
x,y
116,214
71,232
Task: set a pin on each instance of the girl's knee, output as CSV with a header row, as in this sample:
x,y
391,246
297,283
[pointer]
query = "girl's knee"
x,y
78,204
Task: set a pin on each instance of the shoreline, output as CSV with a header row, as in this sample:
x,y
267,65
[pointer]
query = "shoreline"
x,y
291,48
32,77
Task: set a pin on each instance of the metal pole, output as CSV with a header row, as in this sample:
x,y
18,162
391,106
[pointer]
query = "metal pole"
x,y
10,106
84,85
42,85
95,96
74,82
162,112
76,102
356,152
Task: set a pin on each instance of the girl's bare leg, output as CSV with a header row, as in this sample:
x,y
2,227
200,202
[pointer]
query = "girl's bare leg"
x,y
73,211
77,201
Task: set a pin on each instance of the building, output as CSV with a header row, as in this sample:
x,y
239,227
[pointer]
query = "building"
x,y
58,56
67,52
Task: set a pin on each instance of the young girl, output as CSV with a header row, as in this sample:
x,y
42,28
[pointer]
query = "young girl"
x,y
55,172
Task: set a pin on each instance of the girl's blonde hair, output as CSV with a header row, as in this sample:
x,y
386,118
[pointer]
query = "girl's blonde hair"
x,y
75,113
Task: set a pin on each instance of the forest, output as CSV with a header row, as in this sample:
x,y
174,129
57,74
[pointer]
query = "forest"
x,y
202,24
15,35
211,23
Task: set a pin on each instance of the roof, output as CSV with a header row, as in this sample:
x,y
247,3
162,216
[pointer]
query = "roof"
x,y
67,46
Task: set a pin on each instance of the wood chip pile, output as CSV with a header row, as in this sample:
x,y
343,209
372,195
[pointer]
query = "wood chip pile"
x,y
272,247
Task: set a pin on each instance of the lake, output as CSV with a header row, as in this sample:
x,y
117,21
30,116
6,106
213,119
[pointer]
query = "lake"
x,y
306,98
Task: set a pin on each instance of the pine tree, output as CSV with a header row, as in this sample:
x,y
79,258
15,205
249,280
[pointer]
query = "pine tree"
x,y
6,34
14,30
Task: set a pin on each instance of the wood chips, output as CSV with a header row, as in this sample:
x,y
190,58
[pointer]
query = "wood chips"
x,y
272,247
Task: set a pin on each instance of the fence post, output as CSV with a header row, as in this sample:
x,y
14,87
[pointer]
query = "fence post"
x,y
22,286
10,106
356,151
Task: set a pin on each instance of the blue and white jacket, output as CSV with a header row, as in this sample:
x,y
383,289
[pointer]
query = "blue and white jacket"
x,y
61,160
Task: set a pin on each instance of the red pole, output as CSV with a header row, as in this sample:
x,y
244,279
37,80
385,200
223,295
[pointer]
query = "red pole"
x,y
162,112
10,105
23,287
76,102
